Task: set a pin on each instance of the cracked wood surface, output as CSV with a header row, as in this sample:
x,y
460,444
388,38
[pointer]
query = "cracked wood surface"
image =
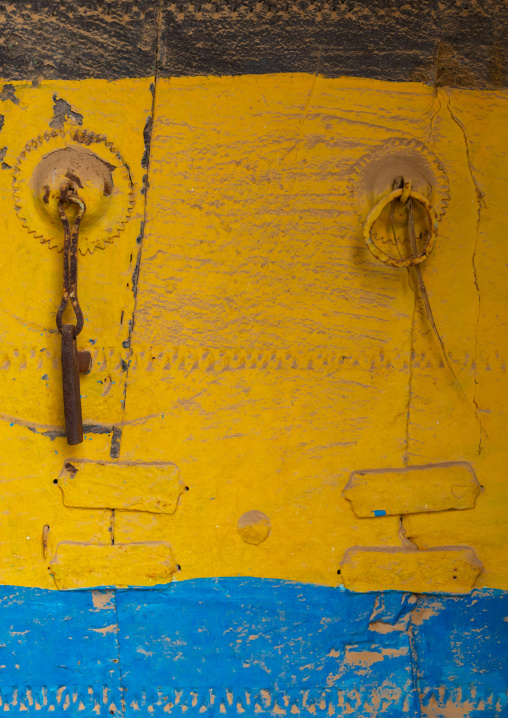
x,y
397,569
415,489
480,178
452,43
240,329
130,486
250,646
87,565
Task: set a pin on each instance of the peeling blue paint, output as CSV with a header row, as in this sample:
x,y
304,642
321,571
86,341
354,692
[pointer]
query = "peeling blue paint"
x,y
249,646
462,648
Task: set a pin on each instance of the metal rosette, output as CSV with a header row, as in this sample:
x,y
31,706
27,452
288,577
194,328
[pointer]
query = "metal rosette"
x,y
372,179
95,169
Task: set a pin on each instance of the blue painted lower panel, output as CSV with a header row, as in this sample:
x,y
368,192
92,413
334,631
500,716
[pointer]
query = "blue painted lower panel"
x,y
461,644
249,646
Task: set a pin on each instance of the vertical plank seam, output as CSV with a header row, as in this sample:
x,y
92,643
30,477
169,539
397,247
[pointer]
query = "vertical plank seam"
x,y
116,446
120,673
481,204
414,659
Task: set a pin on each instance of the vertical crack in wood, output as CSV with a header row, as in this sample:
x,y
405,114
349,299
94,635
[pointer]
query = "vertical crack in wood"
x,y
116,439
481,204
119,659
410,380
414,658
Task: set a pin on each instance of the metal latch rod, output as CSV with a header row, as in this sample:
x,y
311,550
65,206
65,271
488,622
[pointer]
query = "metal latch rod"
x,y
73,361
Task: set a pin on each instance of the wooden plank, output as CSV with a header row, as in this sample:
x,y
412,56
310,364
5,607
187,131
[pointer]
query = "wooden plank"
x,y
121,485
87,565
448,569
414,489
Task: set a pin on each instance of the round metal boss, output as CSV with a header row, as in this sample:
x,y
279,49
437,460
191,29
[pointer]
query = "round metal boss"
x,y
93,167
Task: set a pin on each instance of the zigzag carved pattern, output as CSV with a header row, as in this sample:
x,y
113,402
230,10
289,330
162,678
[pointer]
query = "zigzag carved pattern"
x,y
107,702
184,358
330,702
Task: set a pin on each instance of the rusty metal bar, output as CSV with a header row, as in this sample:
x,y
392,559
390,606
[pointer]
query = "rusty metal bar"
x,y
71,387
73,362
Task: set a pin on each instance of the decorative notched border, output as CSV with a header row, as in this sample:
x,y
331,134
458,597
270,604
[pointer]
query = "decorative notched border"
x,y
170,358
123,197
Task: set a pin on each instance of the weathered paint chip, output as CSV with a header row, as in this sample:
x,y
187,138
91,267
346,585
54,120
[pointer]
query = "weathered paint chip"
x,y
414,489
447,569
103,600
87,565
357,655
116,485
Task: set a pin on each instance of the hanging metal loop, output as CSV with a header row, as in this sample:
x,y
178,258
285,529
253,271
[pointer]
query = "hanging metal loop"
x,y
70,258
374,214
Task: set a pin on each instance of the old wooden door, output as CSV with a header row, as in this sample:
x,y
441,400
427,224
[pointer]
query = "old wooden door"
x,y
291,493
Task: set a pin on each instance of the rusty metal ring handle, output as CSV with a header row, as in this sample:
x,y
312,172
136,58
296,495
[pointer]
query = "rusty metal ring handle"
x,y
374,215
